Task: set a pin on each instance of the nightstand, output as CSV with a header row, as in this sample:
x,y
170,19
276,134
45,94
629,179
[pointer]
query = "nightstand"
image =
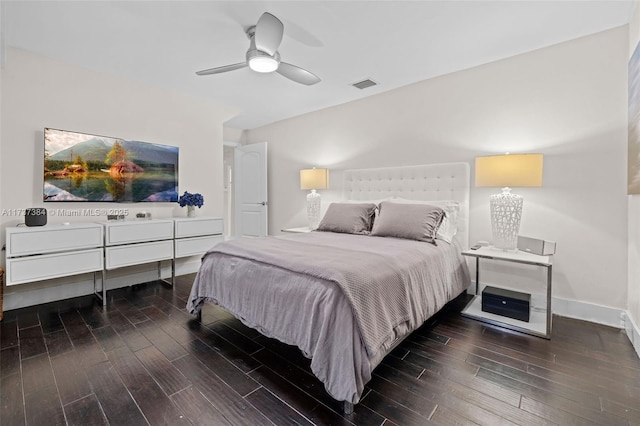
x,y
540,322
300,230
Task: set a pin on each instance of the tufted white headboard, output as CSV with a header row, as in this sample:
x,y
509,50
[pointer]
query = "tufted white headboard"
x,y
441,181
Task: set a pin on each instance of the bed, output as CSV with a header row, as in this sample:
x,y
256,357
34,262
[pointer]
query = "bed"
x,y
346,299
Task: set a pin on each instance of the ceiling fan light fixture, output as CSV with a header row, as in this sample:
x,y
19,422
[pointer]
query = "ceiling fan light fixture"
x,y
263,64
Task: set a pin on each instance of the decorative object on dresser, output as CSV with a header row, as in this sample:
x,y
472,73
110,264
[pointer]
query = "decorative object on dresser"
x,y
191,201
36,216
506,171
314,179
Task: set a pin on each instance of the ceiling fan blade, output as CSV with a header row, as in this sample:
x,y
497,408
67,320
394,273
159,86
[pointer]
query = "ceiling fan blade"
x,y
297,74
269,30
225,68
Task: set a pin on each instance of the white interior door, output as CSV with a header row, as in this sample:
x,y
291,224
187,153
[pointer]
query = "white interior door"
x,y
250,178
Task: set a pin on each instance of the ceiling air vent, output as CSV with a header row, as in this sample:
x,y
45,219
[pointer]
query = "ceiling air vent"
x,y
364,84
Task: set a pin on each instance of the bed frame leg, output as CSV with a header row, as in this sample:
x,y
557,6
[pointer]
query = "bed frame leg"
x,y
200,315
348,408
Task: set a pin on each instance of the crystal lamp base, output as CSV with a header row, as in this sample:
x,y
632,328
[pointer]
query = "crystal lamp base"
x,y
313,209
506,212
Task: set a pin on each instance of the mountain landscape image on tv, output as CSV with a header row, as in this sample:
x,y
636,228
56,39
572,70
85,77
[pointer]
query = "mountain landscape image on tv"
x,y
85,167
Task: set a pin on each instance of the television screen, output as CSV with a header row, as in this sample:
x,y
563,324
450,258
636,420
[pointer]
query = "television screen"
x,y
84,167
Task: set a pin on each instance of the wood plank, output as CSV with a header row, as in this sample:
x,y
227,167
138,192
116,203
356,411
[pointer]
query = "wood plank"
x,y
275,409
152,401
161,340
42,407
36,373
85,411
8,334
457,398
28,318
31,342
71,377
585,397
11,400
223,368
58,342
444,416
197,408
9,361
553,399
108,338
394,411
167,376
226,400
113,396
308,406
130,334
50,322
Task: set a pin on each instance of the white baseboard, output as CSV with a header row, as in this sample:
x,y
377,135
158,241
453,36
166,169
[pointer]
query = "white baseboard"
x,y
591,312
633,332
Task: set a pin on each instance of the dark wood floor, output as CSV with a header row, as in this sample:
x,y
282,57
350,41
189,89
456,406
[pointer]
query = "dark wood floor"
x,y
143,360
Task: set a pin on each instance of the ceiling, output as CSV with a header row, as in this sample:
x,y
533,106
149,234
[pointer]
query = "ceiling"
x,y
395,43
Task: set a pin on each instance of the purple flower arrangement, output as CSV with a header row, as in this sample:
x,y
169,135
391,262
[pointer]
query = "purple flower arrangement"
x,y
188,199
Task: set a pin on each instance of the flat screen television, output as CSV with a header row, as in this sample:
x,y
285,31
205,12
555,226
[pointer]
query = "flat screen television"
x,y
85,167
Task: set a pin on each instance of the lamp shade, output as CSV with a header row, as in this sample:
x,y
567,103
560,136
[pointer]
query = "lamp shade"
x,y
314,179
509,170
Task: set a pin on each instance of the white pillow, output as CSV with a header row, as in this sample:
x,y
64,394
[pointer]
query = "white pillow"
x,y
449,226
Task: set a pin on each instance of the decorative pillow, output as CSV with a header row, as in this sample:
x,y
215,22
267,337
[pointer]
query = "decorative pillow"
x,y
348,218
411,221
449,226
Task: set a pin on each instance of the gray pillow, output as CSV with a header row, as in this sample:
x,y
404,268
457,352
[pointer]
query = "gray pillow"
x,y
411,221
348,218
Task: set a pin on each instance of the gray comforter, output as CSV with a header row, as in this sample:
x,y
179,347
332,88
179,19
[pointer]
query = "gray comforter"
x,y
345,300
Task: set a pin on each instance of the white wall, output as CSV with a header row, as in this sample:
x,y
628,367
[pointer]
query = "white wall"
x,y
39,92
566,101
633,327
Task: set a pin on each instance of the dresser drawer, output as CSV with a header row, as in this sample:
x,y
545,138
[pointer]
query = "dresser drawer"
x,y
195,246
195,227
134,232
134,254
35,268
52,238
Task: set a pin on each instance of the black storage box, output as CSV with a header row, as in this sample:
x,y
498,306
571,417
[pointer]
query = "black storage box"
x,y
507,303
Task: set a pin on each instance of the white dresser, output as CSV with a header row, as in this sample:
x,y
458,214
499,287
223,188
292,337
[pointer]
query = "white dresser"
x,y
53,251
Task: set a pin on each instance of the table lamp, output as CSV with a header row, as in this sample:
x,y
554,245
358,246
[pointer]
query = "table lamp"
x,y
313,179
506,171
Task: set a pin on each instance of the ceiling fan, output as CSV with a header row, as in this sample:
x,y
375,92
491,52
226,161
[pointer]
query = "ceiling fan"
x,y
263,56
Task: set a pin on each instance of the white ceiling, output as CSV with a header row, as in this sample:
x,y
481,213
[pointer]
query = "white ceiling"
x,y
395,43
